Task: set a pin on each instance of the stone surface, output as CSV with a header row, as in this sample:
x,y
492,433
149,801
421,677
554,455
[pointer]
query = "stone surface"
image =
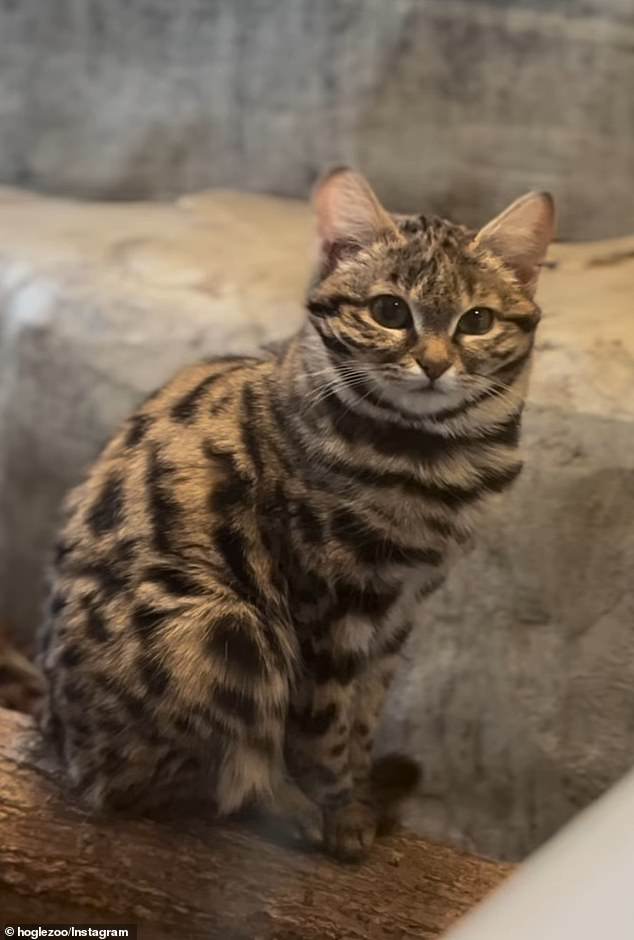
x,y
456,105
99,304
517,693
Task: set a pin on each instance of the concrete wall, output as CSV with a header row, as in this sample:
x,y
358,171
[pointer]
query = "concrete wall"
x,y
449,105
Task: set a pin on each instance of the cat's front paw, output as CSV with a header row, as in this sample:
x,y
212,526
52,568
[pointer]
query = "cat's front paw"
x,y
308,825
350,830
289,813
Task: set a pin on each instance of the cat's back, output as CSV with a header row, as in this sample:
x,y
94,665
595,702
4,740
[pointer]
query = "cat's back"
x,y
163,446
138,528
140,544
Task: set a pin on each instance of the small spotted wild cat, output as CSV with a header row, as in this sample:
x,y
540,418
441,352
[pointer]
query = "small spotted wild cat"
x,y
239,570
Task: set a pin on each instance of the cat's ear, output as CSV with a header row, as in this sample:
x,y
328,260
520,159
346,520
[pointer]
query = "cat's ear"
x,y
520,236
349,215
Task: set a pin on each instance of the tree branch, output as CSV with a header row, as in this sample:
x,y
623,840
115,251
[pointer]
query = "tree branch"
x,y
197,879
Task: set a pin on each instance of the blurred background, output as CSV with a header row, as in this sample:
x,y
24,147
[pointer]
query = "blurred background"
x,y
155,158
451,105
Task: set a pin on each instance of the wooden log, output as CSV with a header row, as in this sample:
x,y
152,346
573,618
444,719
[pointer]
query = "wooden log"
x,y
198,879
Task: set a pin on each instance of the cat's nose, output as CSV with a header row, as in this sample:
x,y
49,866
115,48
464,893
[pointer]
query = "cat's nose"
x,y
434,368
434,356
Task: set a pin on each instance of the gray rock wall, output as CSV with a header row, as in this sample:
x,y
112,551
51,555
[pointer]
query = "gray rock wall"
x,y
517,697
449,105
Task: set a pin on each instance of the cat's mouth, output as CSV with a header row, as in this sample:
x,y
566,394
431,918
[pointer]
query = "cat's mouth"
x,y
427,388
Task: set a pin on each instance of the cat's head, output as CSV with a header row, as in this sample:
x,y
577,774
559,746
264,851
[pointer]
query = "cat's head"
x,y
418,311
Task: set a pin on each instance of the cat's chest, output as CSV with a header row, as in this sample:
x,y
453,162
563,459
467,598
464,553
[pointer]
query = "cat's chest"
x,y
364,614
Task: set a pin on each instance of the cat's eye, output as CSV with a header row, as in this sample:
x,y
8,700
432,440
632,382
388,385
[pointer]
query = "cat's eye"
x,y
476,322
391,311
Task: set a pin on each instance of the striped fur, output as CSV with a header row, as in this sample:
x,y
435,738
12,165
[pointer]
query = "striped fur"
x,y
238,573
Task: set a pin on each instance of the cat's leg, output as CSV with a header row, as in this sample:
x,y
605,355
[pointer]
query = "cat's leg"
x,y
321,731
351,825
196,691
318,740
318,752
292,812
252,775
248,690
371,692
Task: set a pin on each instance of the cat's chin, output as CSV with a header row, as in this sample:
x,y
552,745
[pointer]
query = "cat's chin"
x,y
417,398
433,402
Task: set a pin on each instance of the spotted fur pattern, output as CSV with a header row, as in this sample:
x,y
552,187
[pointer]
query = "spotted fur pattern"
x,y
238,572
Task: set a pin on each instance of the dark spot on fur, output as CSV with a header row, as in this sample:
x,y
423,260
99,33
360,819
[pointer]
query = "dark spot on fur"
x,y
163,508
339,796
174,581
368,601
393,646
111,582
80,728
73,692
61,550
318,722
233,550
264,745
133,704
324,665
111,726
274,643
186,408
310,525
107,511
231,639
147,620
71,656
235,489
95,623
237,704
58,602
155,676
325,776
251,428
138,427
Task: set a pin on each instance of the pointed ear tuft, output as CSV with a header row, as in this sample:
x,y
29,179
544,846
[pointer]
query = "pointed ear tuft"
x,y
520,236
349,215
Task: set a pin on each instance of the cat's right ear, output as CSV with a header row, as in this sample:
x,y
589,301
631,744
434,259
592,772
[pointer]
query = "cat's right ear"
x,y
349,215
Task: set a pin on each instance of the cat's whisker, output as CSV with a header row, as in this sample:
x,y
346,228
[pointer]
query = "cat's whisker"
x,y
342,367
339,380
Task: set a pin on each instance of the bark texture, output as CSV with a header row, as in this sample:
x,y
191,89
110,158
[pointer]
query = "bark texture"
x,y
191,878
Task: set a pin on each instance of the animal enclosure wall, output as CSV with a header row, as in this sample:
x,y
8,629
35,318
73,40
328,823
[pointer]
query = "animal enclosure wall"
x,y
453,106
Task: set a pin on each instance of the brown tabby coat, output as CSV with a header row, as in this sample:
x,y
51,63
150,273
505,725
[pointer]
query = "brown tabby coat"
x,y
239,571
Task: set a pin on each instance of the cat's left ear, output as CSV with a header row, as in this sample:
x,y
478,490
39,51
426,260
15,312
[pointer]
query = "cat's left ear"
x,y
520,236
